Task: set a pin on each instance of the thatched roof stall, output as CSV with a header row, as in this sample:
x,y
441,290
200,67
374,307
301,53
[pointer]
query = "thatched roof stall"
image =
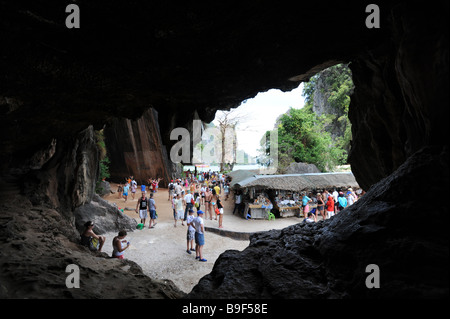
x,y
239,175
278,188
299,182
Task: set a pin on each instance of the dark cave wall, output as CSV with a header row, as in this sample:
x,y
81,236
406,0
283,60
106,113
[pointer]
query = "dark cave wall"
x,y
401,99
57,86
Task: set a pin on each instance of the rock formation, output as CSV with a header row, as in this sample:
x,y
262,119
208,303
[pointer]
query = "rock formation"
x,y
58,84
328,259
135,148
301,168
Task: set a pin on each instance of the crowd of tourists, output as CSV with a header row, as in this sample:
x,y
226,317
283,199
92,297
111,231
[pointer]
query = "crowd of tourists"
x,y
327,204
196,190
203,192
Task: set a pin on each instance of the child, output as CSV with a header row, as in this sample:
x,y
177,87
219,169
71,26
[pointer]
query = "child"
x,y
199,236
190,232
119,191
125,191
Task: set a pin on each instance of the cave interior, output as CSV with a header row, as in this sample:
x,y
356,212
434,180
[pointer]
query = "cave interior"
x,y
159,65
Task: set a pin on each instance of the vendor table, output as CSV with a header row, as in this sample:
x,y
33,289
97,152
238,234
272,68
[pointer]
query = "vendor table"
x,y
289,211
256,211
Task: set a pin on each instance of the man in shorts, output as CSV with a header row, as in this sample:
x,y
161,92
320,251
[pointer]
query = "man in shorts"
x,y
199,236
142,207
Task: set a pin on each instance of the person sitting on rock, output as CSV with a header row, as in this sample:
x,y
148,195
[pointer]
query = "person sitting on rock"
x,y
90,239
120,244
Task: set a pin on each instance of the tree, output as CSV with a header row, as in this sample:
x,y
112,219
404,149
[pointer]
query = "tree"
x,y
301,138
335,86
228,120
306,136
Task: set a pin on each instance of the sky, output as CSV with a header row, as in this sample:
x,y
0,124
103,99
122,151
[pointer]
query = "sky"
x,y
259,115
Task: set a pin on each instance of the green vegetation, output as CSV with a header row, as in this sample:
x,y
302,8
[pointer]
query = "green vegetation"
x,y
104,160
304,136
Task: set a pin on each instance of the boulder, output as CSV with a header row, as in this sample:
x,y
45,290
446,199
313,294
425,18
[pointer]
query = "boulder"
x,y
106,217
301,168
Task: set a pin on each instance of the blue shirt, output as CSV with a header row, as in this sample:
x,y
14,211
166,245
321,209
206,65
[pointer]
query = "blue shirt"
x,y
152,204
305,200
343,201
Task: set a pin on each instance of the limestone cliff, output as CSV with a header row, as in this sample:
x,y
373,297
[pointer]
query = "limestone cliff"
x,y
135,148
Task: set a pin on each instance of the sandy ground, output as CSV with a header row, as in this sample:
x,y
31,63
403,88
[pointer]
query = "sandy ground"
x,y
161,251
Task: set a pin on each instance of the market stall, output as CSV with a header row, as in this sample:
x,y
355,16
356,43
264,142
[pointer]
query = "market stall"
x,y
259,208
284,192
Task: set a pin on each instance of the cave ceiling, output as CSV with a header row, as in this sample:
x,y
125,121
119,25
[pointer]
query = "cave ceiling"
x,y
176,58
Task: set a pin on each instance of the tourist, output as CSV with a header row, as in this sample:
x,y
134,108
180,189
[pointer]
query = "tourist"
x,y
125,191
154,186
197,190
142,208
310,218
119,191
220,208
152,211
351,197
217,189
314,203
188,201
320,206
325,195
90,239
199,236
305,201
342,202
179,211
208,199
143,189
330,206
119,244
133,188
178,188
202,192
214,198
237,202
335,197
198,203
171,190
226,189
174,206
190,236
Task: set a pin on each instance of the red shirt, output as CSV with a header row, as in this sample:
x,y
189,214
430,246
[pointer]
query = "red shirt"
x,y
330,204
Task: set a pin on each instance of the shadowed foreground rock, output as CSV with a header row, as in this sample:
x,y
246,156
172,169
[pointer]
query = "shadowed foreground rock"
x,y
36,246
328,259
